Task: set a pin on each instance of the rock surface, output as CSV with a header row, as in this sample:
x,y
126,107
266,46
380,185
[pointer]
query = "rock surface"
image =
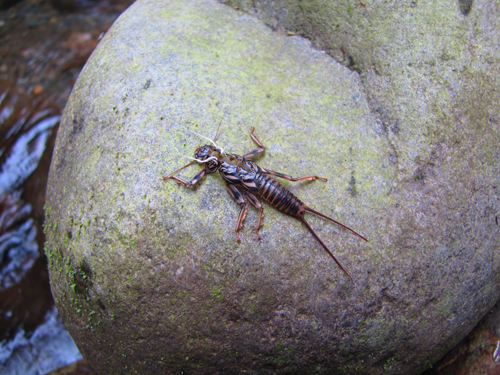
x,y
148,276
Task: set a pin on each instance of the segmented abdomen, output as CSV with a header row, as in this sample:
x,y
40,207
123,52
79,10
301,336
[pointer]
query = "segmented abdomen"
x,y
277,195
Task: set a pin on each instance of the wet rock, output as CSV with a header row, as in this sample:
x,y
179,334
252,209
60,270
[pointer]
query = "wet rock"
x,y
147,275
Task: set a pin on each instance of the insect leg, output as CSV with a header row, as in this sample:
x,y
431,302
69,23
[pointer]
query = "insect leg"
x,y
261,149
235,193
256,203
290,178
258,151
191,183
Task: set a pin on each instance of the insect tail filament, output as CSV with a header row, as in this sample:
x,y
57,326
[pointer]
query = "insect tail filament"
x,y
335,221
301,217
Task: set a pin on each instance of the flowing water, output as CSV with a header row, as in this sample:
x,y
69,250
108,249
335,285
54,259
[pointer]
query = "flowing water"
x,y
42,49
33,339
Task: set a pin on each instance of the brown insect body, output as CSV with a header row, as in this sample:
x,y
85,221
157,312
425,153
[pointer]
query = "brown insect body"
x,y
243,177
279,196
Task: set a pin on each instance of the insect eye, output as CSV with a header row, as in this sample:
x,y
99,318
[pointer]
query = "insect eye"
x,y
202,151
199,153
212,166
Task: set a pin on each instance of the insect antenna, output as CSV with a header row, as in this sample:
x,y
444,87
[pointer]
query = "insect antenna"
x,y
213,142
217,133
194,160
301,217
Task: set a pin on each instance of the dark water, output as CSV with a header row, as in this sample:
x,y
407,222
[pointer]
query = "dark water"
x,y
32,338
43,46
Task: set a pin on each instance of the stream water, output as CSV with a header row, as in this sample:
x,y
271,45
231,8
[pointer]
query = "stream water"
x,y
42,49
33,339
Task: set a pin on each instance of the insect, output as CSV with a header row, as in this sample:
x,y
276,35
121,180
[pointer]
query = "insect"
x,y
244,178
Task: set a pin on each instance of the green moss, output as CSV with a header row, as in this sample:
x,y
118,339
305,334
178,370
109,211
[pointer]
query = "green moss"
x,y
388,363
216,294
174,256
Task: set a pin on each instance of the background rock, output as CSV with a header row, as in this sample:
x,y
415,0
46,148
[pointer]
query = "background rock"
x,y
147,275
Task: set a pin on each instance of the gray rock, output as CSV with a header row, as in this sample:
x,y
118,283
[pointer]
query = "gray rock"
x,y
148,276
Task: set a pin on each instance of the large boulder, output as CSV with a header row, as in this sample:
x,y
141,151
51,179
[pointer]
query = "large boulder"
x,y
148,276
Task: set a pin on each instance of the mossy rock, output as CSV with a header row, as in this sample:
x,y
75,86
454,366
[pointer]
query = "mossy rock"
x,y
148,276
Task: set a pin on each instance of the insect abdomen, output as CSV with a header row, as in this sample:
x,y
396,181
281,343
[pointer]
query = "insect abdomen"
x,y
277,195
